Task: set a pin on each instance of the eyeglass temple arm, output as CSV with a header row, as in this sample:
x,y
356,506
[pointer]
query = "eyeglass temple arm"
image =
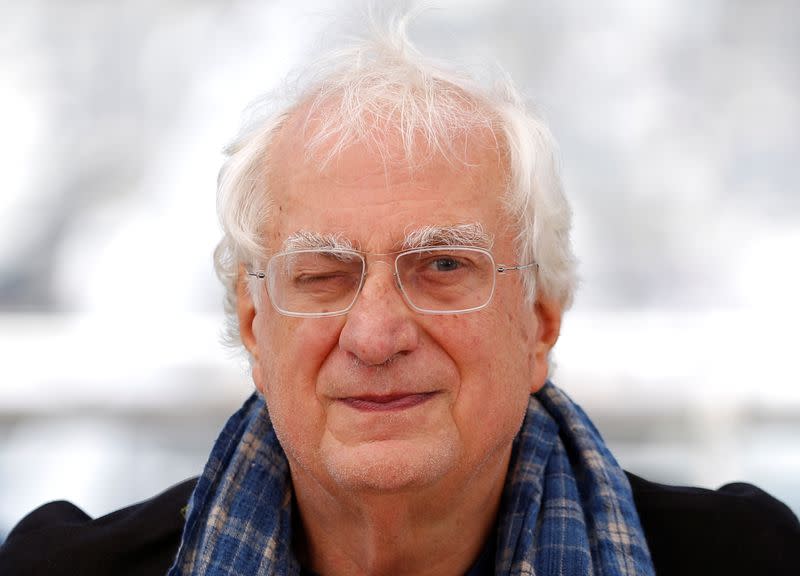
x,y
502,268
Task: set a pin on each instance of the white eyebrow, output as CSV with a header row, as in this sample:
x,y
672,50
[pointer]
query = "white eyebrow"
x,y
305,240
458,235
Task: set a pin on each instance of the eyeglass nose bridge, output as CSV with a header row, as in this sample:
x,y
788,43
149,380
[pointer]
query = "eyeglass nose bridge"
x,y
388,260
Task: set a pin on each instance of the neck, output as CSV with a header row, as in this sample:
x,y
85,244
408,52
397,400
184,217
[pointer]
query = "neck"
x,y
435,530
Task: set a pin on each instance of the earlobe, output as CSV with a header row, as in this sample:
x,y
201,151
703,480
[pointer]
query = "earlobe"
x,y
246,312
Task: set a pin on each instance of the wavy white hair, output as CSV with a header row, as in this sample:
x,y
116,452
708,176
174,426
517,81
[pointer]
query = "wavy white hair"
x,y
381,84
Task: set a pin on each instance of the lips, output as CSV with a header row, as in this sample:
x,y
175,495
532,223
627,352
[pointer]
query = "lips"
x,y
388,402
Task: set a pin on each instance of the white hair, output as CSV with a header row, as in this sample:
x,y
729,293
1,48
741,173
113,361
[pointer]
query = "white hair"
x,y
378,85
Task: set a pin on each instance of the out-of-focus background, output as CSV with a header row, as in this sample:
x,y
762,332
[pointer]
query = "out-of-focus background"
x,y
679,125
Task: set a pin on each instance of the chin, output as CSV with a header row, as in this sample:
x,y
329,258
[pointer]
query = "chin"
x,y
389,466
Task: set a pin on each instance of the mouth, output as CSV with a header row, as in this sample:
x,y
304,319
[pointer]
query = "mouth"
x,y
387,403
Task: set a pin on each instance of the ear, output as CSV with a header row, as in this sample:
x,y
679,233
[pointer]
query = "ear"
x,y
548,327
246,312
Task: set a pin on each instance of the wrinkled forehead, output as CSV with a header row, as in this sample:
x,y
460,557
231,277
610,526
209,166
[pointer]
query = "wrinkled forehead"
x,y
404,182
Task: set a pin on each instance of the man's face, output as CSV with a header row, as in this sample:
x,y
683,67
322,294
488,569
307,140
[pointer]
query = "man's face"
x,y
385,398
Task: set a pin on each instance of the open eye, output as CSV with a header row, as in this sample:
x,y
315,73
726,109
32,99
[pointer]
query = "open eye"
x,y
443,268
445,264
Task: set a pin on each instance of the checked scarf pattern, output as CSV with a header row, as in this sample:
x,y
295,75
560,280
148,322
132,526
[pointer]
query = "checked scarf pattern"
x,y
567,506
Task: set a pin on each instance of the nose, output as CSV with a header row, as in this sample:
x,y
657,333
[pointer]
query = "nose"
x,y
379,326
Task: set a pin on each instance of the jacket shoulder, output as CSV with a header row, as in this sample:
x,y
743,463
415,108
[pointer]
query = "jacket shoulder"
x,y
60,538
737,529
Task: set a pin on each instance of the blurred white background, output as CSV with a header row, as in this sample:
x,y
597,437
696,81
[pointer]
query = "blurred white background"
x,y
679,125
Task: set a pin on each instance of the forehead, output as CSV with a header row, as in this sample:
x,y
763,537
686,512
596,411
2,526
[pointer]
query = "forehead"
x,y
375,194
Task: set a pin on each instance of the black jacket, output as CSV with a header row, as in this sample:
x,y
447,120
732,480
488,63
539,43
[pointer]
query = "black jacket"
x,y
735,530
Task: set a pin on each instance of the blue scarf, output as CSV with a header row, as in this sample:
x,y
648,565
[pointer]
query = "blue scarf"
x,y
567,506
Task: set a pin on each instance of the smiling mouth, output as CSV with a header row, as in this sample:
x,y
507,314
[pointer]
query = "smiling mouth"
x,y
387,403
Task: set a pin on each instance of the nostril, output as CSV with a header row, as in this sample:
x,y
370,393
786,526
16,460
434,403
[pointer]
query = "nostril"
x,y
362,361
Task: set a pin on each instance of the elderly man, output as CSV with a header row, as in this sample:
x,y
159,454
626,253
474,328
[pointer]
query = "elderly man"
x,y
397,261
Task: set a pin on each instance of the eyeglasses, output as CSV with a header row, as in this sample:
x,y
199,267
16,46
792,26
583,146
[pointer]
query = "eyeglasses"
x,y
435,280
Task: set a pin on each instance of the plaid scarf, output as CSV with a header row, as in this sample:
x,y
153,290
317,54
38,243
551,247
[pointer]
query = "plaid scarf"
x,y
567,506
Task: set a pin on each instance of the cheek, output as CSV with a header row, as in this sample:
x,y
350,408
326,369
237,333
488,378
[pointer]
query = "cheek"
x,y
496,356
291,352
495,380
519,329
489,350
